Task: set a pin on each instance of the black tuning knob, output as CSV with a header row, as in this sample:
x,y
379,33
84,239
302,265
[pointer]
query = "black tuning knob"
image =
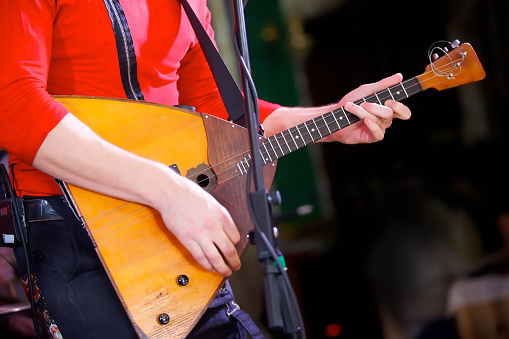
x,y
275,198
183,280
163,319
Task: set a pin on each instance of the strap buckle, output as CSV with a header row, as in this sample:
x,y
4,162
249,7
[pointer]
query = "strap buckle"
x,y
229,311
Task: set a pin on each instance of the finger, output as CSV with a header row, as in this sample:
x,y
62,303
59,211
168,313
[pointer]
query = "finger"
x,y
383,112
375,112
228,251
371,88
376,131
388,82
200,256
400,111
369,120
230,228
226,243
215,258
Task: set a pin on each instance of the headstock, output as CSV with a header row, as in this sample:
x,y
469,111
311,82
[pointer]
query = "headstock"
x,y
457,67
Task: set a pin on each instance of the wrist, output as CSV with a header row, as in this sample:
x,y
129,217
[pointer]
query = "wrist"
x,y
161,182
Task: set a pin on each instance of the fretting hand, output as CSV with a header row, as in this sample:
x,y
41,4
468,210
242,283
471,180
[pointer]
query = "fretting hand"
x,y
375,118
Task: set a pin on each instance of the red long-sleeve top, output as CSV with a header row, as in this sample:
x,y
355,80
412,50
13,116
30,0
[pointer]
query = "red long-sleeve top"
x,y
67,47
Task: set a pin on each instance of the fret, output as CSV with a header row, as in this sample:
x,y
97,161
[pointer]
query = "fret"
x,y
300,134
326,125
317,128
384,95
343,119
240,169
282,143
275,148
412,86
243,167
266,155
322,127
398,92
372,99
389,90
308,137
247,163
332,122
313,130
346,115
403,86
246,159
278,144
377,98
271,151
352,119
289,140
293,139
297,138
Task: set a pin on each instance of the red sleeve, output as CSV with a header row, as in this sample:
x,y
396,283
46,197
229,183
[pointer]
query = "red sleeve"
x,y
266,108
196,83
27,111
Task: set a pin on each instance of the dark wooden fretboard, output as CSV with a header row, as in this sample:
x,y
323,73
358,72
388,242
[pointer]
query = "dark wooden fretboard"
x,y
318,128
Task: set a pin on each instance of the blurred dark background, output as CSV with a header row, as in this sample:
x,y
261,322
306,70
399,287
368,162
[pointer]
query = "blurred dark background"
x,y
394,225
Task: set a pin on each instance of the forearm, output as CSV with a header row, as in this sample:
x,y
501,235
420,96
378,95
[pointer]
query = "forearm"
x,y
375,118
73,153
284,118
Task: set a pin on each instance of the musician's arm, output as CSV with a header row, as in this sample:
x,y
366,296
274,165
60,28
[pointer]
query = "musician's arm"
x,y
75,154
375,119
39,131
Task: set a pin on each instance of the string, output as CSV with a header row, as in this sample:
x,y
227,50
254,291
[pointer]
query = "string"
x,y
126,226
332,112
281,135
444,50
117,220
143,207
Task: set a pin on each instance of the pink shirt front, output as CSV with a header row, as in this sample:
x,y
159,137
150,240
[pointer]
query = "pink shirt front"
x,y
67,47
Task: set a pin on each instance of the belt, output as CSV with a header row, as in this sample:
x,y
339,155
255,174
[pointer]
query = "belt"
x,y
40,210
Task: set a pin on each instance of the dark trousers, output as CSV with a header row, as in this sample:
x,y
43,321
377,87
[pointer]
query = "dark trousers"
x,y
75,294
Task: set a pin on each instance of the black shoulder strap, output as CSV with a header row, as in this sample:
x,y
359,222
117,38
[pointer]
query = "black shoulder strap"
x,y
230,92
125,50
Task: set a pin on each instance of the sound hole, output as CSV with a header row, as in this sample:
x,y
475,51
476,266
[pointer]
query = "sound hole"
x,y
203,180
204,176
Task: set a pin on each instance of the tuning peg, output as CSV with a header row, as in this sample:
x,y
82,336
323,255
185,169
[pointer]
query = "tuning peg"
x,y
275,198
434,57
455,43
446,50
